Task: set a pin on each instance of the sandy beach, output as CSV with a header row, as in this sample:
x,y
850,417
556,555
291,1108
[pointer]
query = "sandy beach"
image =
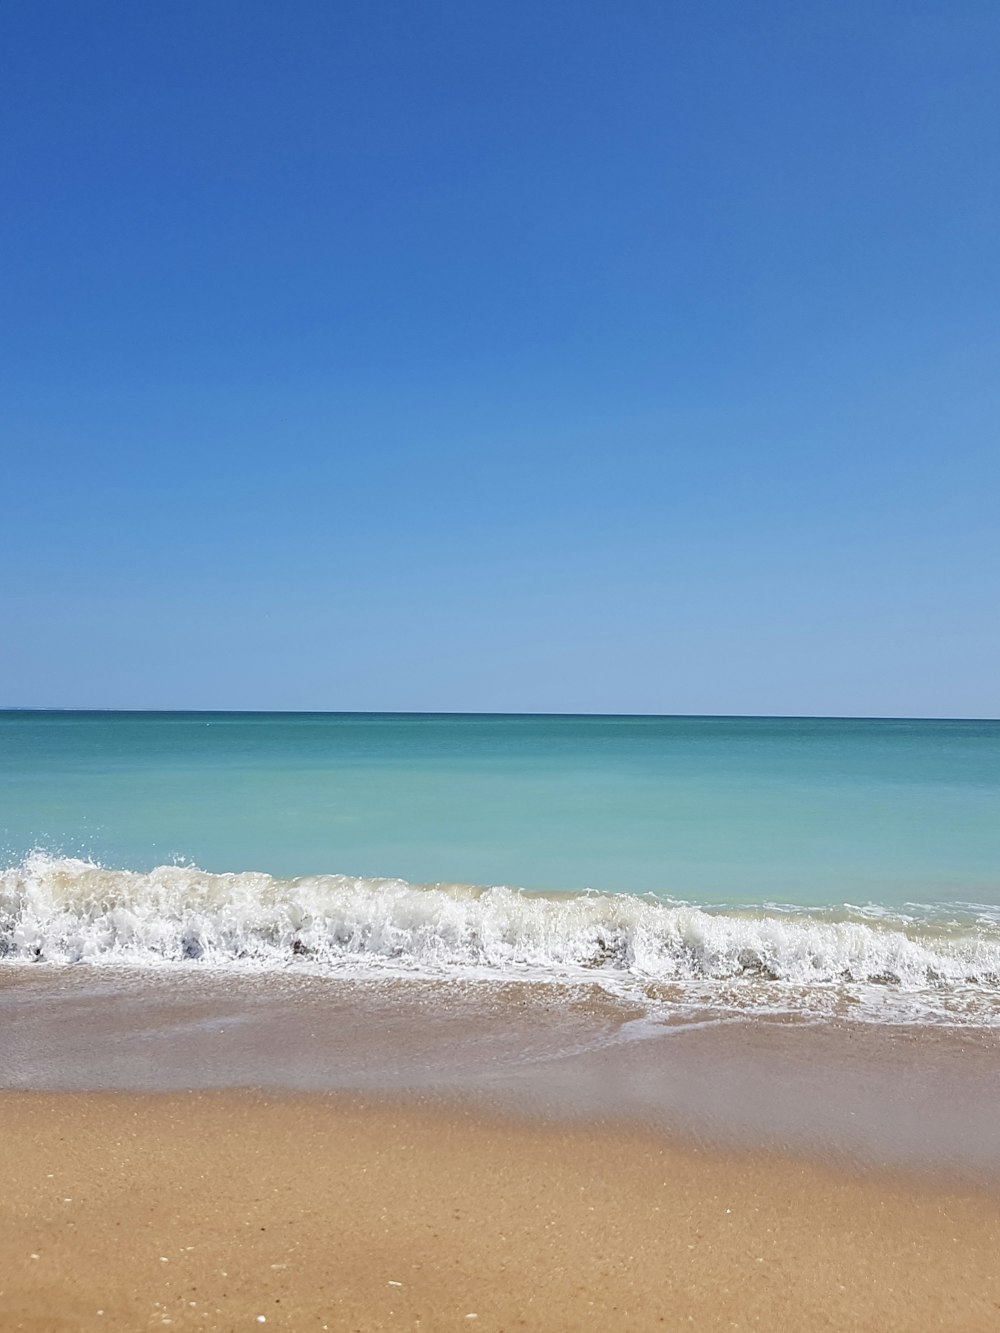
x,y
226,1211
208,1150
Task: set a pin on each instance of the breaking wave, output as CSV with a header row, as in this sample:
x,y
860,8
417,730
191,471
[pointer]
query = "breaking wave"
x,y
62,910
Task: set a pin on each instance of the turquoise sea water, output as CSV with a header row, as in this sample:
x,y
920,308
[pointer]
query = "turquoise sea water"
x,y
826,867
708,810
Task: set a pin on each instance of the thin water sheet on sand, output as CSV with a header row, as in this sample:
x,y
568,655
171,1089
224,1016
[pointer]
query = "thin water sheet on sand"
x,y
923,1098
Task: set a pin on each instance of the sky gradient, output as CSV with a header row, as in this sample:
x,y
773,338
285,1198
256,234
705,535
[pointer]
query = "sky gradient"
x,y
522,357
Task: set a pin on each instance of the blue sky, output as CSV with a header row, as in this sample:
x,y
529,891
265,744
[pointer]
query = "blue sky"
x,y
534,356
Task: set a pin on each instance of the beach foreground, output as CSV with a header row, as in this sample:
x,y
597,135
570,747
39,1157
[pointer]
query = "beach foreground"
x,y
225,1210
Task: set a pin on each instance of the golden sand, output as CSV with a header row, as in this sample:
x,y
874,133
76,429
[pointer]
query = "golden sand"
x,y
232,1211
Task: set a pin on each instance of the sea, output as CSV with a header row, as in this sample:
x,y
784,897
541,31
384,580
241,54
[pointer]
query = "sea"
x,y
819,868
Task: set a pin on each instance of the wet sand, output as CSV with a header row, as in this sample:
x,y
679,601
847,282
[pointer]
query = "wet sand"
x,y
922,1099
226,1210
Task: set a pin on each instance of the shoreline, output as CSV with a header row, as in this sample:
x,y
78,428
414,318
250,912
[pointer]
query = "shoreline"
x,y
210,1210
919,1099
938,964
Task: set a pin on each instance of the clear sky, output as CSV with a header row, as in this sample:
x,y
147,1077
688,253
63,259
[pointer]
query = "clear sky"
x,y
620,357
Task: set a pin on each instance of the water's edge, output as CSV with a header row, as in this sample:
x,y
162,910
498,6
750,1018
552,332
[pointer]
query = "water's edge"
x,y
938,966
920,1098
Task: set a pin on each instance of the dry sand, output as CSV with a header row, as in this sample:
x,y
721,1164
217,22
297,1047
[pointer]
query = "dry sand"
x,y
230,1210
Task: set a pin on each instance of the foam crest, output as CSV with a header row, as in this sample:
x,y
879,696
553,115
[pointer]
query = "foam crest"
x,y
66,910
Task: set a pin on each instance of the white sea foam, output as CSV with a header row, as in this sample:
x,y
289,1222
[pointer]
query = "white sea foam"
x,y
71,911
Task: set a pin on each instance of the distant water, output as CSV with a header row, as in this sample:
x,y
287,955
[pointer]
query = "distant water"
x,y
808,855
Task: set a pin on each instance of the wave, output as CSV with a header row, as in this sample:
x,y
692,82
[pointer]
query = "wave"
x,y
64,910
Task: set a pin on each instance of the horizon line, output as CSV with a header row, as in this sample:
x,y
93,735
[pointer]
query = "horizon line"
x,y
492,713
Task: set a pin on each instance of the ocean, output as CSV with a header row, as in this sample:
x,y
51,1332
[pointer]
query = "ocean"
x,y
812,867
